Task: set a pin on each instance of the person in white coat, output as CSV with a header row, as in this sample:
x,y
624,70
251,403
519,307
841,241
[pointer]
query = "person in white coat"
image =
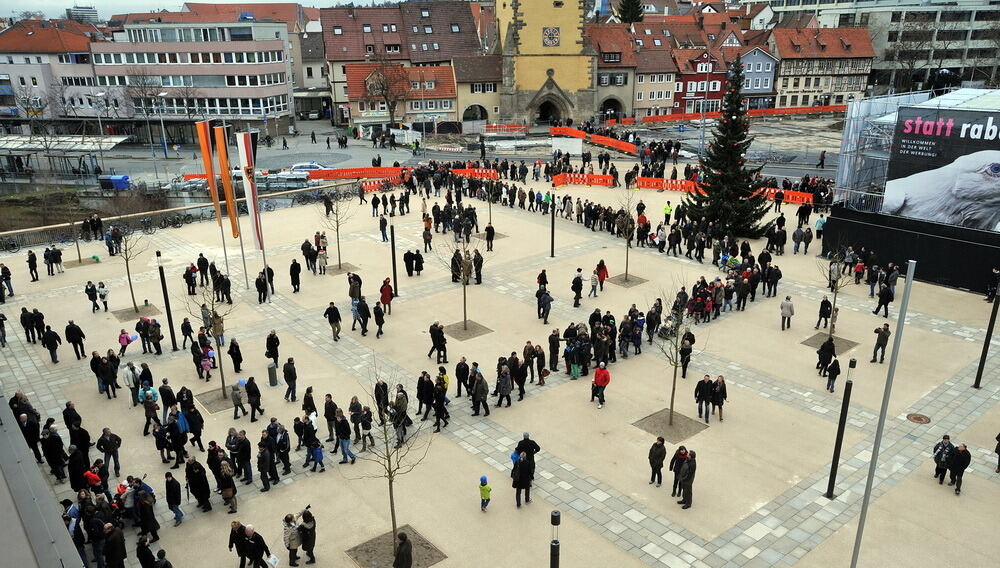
x,y
787,311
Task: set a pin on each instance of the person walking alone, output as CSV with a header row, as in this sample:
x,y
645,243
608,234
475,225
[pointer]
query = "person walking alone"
x,y
881,341
787,311
657,453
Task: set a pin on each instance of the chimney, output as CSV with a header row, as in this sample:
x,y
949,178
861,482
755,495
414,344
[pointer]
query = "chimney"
x,y
748,10
701,22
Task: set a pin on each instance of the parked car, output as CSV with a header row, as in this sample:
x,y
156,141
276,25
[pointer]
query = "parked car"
x,y
314,115
307,166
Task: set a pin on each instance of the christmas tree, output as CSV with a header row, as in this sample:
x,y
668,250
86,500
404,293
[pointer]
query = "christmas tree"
x,y
730,191
630,11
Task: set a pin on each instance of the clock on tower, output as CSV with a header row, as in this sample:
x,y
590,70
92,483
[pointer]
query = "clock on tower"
x,y
550,37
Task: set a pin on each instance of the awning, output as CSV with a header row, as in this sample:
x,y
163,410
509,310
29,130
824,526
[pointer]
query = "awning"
x,y
44,143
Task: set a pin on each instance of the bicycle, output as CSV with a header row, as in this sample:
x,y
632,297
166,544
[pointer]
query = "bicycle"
x,y
267,205
147,226
11,246
208,215
61,239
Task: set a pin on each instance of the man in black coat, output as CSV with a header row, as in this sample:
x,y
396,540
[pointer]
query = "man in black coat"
x,y
528,448
30,431
51,341
959,461
703,396
439,343
202,264
75,336
256,548
261,285
243,456
686,477
577,287
332,315
178,440
330,415
197,481
381,399
462,376
365,314
173,491
28,323
290,376
293,272
71,416
408,262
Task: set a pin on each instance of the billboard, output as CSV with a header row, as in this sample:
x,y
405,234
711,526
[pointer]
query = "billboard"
x,y
945,167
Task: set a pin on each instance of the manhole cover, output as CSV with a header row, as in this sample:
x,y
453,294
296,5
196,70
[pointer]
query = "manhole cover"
x,y
918,418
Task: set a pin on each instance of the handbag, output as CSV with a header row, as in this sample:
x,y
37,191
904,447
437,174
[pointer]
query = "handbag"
x,y
273,560
227,493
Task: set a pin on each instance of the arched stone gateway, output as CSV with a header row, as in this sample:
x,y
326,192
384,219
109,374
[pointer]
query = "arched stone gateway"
x,y
475,112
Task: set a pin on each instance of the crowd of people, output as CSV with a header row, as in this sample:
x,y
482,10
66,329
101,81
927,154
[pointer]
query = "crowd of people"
x,y
106,501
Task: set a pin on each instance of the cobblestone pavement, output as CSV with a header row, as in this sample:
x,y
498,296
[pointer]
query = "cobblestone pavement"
x,y
779,533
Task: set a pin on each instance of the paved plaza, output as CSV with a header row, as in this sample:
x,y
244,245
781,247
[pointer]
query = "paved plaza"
x,y
758,495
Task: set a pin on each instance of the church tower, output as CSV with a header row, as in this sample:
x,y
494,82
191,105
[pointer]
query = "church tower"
x,y
548,67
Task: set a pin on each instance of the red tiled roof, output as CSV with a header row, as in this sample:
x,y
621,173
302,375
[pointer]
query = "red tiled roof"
x,y
35,39
684,57
119,20
479,68
71,26
611,38
441,16
814,43
350,45
312,14
289,13
443,77
655,61
357,74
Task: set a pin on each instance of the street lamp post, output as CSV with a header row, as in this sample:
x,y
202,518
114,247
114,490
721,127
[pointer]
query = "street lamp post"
x,y
161,108
555,519
101,106
166,302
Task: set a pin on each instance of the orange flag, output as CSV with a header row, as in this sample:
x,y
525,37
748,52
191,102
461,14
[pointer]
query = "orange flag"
x,y
227,179
205,142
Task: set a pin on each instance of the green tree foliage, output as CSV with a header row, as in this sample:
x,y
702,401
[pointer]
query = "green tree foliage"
x,y
630,11
729,189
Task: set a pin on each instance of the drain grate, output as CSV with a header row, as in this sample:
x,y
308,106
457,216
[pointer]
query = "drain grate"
x,y
918,418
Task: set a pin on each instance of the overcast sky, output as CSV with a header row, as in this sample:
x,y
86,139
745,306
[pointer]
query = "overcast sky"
x,y
57,8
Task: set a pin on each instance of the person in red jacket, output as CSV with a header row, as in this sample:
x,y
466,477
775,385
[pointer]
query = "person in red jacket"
x,y
601,379
386,295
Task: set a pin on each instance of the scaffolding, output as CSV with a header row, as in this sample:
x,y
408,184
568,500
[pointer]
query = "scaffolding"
x,y
869,126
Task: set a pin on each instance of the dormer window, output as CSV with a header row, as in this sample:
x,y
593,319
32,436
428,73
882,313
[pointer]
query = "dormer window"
x,y
366,28
704,68
612,57
425,13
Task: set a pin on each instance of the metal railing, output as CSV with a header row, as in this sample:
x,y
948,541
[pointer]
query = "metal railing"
x,y
864,201
69,234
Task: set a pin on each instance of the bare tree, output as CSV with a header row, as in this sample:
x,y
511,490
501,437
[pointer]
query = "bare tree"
x,y
29,15
388,84
188,96
839,273
341,210
910,51
217,311
462,265
395,455
40,107
670,341
133,244
626,223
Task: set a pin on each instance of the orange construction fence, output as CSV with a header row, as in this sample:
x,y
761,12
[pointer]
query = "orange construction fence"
x,y
481,173
754,112
581,179
496,128
594,139
792,197
566,131
351,173
613,143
